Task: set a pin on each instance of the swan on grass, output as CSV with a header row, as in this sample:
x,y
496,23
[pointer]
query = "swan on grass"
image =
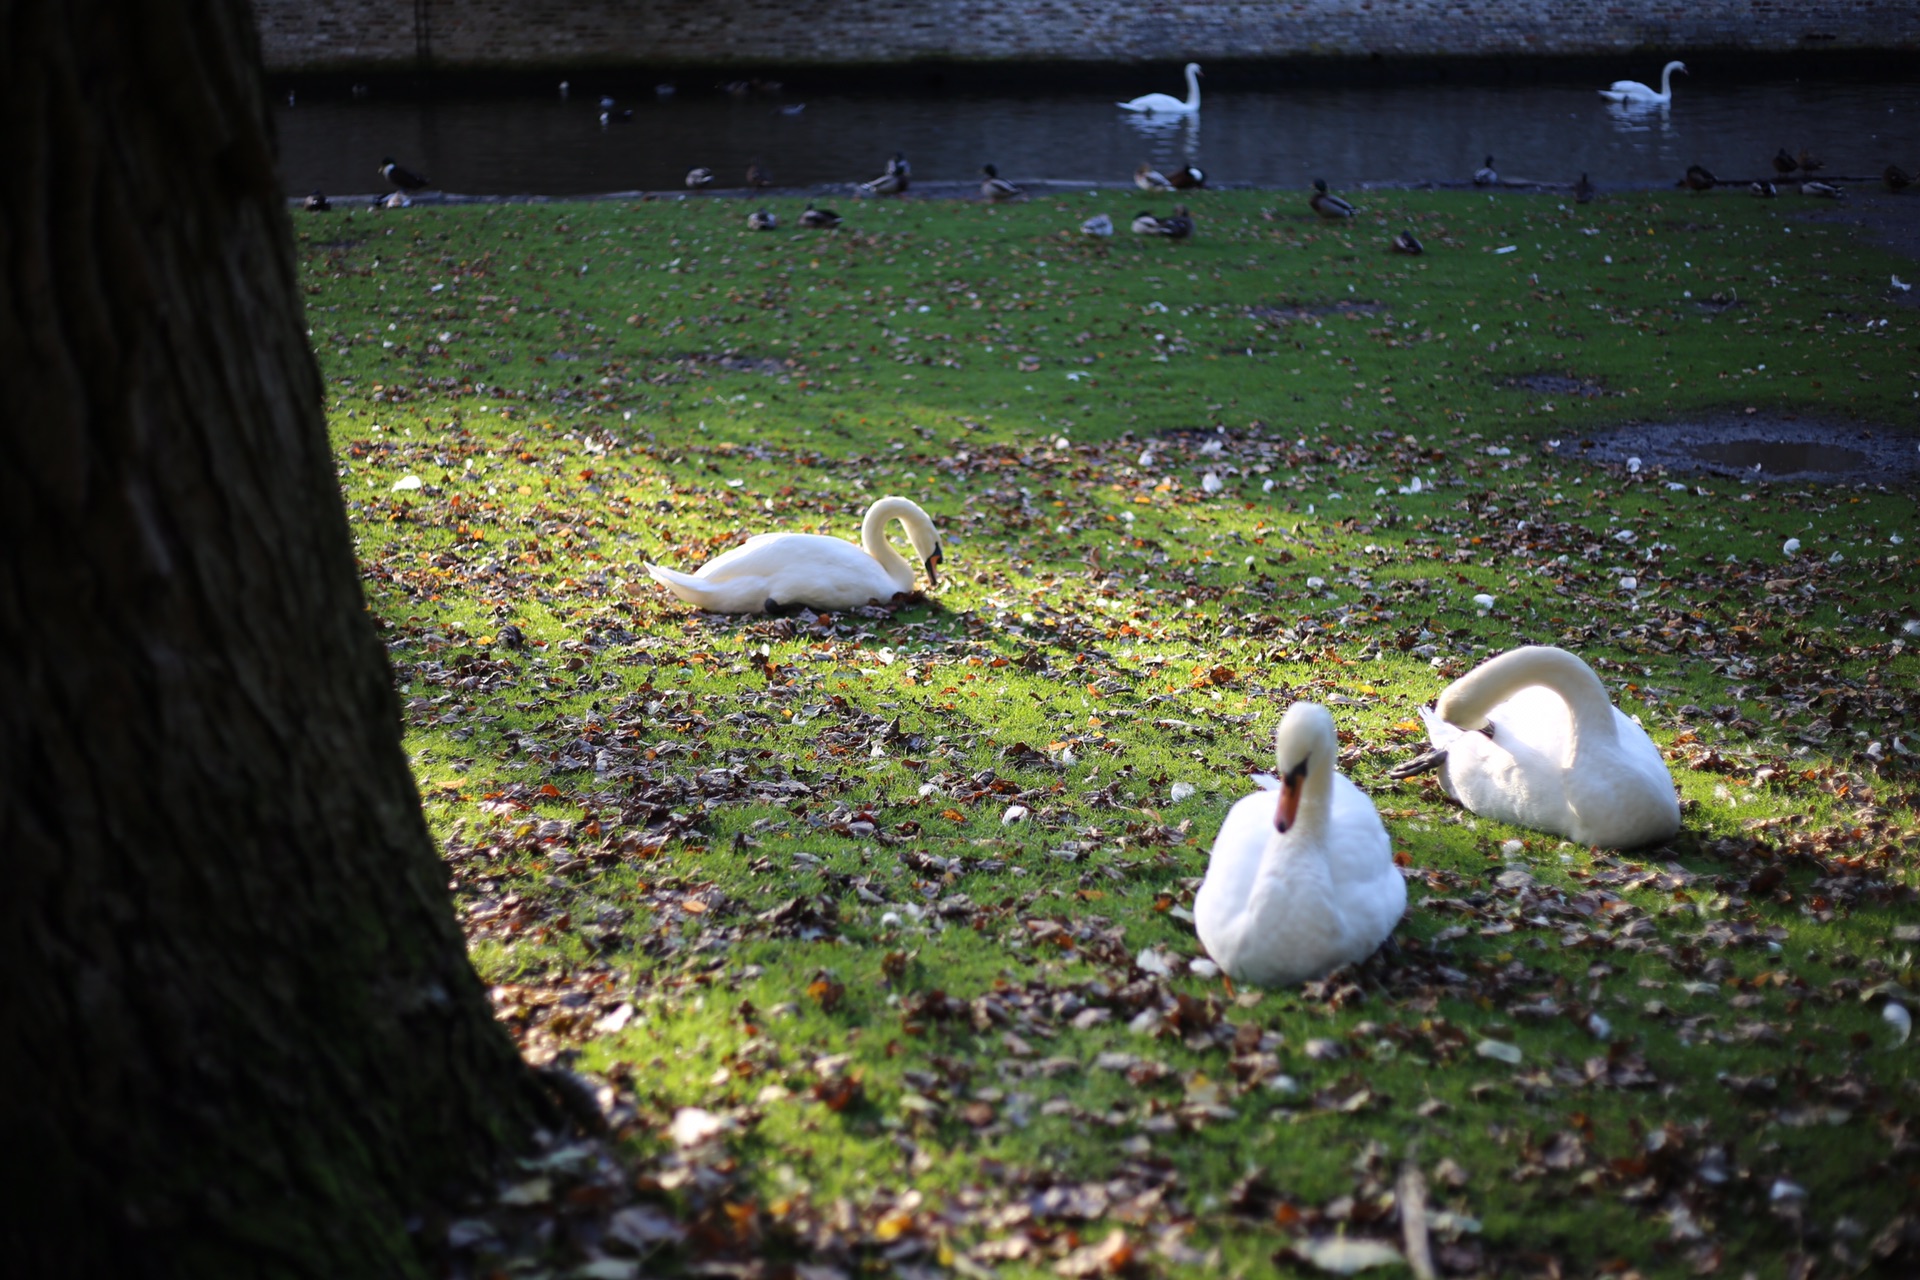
x,y
1531,738
1634,94
1167,104
1301,879
780,573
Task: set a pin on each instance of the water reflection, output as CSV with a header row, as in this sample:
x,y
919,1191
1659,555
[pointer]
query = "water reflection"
x,y
1280,137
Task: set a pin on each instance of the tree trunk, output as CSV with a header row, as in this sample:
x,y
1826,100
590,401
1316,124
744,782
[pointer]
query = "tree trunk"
x,y
241,1035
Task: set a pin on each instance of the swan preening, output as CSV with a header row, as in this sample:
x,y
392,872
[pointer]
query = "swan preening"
x,y
1166,104
782,572
1531,738
1633,93
1301,879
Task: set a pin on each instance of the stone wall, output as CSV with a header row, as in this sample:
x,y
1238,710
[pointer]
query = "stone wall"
x,y
320,34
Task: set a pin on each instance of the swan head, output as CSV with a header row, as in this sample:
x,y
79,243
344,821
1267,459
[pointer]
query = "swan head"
x,y
924,537
1193,69
1681,67
1306,749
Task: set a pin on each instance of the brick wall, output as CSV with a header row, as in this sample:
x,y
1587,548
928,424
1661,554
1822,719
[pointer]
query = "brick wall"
x,y
317,34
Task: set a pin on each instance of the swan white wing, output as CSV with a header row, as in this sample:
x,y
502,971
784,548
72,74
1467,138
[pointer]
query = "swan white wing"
x,y
1369,887
1519,774
1154,102
767,553
1440,733
1632,89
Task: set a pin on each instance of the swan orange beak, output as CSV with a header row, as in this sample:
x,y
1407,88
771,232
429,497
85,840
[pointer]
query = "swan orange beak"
x,y
1289,807
933,575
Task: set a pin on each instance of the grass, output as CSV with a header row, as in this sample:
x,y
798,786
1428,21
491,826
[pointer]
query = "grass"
x,y
776,870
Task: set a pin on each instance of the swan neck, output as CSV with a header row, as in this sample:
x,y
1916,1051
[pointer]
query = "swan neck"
x,y
1316,795
873,537
1193,88
1468,699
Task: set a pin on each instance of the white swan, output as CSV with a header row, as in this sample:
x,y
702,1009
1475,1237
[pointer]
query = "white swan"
x,y
1551,752
1166,104
1633,93
1301,880
781,572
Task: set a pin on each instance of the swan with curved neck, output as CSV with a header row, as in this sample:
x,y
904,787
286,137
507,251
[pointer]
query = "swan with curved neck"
x,y
1167,104
1531,738
1633,93
1301,879
782,572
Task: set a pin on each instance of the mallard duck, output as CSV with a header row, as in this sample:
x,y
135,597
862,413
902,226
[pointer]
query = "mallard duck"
x,y
762,220
781,572
1823,190
1530,737
1699,178
1763,189
401,177
1633,93
1582,190
1404,242
1177,225
997,188
1098,225
1187,178
1301,878
819,218
1808,161
698,177
758,177
1326,205
620,115
1784,163
894,181
735,88
1148,178
1484,176
1894,178
317,202
1163,104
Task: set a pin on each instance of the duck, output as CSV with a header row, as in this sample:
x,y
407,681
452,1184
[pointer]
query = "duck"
x,y
1894,178
1699,178
699,176
1633,93
1783,163
1808,161
893,182
1148,178
1177,225
1187,177
317,202
1530,737
1583,190
1165,104
401,177
1404,242
757,176
621,115
1301,878
821,219
1823,190
763,220
781,573
1485,176
996,188
1326,205
1098,225
1763,189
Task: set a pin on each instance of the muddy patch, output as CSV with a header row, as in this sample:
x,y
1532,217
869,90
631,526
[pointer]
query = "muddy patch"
x,y
1290,311
1760,447
1555,384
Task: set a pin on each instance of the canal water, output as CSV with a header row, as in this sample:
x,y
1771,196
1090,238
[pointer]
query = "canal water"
x,y
1252,130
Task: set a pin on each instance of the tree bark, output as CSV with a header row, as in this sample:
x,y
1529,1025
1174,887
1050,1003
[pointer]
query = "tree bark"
x,y
241,1034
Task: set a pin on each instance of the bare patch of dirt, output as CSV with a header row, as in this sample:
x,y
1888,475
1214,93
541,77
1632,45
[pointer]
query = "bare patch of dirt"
x,y
1761,447
1556,384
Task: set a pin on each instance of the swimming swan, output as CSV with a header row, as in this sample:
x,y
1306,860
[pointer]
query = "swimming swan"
x,y
1633,93
1166,104
1301,880
1551,752
780,572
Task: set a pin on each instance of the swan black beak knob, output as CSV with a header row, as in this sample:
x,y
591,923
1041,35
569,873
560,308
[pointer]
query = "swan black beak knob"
x,y
933,573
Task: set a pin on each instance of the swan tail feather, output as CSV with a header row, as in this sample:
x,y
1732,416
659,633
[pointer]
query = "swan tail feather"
x,y
689,588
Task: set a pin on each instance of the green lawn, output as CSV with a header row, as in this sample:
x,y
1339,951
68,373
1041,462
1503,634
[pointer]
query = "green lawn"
x,y
777,872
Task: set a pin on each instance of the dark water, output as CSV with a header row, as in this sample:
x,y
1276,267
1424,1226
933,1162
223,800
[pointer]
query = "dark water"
x,y
1783,457
1282,136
